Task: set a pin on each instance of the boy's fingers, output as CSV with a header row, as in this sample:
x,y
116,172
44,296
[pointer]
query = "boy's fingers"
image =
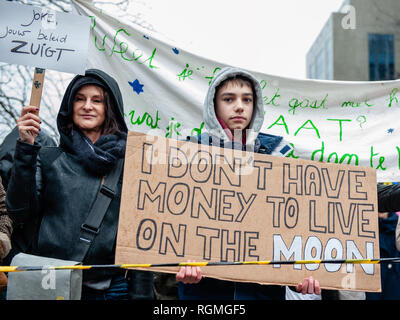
x,y
188,272
311,285
181,274
196,275
199,275
304,286
317,287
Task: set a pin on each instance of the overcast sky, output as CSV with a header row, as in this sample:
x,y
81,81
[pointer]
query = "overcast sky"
x,y
267,36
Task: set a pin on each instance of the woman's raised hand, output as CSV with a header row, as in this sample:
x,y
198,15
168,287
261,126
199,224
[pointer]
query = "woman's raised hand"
x,y
29,124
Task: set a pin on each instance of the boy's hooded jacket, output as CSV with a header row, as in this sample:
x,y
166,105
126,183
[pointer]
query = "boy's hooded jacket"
x,y
49,196
209,288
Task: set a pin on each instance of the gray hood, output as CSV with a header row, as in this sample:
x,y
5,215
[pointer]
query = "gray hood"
x,y
211,122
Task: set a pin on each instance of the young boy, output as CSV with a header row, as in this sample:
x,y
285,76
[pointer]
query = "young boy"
x,y
233,116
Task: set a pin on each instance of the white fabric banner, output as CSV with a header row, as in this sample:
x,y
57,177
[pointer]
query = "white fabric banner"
x,y
164,87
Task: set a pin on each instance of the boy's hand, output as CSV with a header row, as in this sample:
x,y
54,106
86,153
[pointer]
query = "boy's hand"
x,y
189,274
309,286
28,124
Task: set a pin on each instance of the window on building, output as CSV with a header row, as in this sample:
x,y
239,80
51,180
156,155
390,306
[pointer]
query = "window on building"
x,y
329,59
311,70
381,56
319,65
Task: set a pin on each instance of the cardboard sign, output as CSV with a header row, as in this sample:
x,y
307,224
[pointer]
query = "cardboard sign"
x,y
43,38
186,201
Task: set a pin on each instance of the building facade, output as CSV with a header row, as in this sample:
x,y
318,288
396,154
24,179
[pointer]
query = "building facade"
x,y
360,42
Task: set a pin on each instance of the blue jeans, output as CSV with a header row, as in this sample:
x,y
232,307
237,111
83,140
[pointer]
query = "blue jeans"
x,y
118,290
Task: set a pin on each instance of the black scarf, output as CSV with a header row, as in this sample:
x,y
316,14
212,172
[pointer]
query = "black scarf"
x,y
99,158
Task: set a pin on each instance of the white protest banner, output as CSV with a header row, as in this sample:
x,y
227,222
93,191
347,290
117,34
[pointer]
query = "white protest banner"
x,y
164,86
187,201
43,38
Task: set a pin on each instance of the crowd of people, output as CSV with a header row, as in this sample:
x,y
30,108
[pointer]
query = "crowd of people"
x,y
48,190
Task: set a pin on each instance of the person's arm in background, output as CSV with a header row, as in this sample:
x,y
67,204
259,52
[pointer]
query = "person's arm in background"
x,y
388,198
6,226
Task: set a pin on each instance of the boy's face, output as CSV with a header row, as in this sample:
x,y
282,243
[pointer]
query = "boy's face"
x,y
234,103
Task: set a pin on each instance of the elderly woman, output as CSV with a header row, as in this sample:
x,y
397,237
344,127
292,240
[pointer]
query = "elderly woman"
x,y
52,189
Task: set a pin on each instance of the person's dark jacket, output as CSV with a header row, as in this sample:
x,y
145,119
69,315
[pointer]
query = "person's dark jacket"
x,y
6,226
50,194
7,149
388,197
60,192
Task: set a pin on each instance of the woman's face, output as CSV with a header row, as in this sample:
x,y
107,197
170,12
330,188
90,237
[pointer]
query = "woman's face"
x,y
89,111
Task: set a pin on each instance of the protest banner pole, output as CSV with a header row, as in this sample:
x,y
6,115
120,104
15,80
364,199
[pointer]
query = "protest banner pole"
x,y
37,88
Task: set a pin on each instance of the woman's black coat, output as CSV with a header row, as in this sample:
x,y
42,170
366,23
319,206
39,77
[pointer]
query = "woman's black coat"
x,y
50,193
